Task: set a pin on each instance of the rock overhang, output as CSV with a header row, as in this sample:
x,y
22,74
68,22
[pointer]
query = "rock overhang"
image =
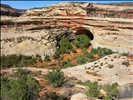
x,y
83,30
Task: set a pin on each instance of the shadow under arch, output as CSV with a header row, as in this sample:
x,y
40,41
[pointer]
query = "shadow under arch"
x,y
82,30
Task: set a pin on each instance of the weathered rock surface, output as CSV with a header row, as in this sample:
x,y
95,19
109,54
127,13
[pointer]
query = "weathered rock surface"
x,y
83,9
43,30
126,91
79,96
42,42
107,70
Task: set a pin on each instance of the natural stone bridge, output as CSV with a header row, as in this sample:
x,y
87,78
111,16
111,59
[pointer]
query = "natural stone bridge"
x,y
112,33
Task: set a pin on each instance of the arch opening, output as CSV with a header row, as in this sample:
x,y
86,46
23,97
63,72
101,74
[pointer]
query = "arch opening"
x,y
82,30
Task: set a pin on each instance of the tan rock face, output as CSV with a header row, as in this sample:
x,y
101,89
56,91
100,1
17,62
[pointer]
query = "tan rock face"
x,y
84,9
62,9
110,72
79,96
113,33
62,13
103,93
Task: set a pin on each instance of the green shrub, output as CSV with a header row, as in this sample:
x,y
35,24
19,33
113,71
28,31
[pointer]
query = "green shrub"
x,y
84,52
94,51
74,51
47,58
57,54
38,57
81,59
65,46
54,96
106,98
55,78
101,51
89,55
91,60
67,51
93,90
81,41
22,87
67,63
87,83
112,89
16,60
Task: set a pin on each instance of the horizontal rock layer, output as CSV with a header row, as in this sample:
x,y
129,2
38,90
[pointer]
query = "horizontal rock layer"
x,y
29,34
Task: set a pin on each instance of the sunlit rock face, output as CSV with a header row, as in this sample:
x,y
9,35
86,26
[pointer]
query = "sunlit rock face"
x,y
79,96
83,9
38,30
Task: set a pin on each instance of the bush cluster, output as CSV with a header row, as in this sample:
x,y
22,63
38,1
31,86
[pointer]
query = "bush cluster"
x,y
47,58
94,89
67,63
81,41
16,61
101,51
54,96
21,87
57,54
112,89
55,77
89,56
81,59
64,48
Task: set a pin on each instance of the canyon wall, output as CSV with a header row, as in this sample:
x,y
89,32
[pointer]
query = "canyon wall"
x,y
38,30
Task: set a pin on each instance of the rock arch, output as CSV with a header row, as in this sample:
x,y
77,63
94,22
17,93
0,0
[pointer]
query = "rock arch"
x,y
83,30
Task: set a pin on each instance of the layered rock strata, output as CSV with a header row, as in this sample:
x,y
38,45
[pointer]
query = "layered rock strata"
x,y
29,34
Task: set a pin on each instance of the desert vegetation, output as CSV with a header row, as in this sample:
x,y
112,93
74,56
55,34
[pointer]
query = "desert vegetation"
x,y
94,90
54,96
66,48
55,78
81,41
20,86
21,80
65,60
16,61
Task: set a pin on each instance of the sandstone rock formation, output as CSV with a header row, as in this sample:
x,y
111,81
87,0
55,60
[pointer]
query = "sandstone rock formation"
x,y
62,9
83,9
41,28
38,31
111,11
79,96
107,70
126,91
30,42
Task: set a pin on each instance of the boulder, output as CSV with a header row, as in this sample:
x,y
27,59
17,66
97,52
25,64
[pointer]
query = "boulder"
x,y
103,93
79,96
